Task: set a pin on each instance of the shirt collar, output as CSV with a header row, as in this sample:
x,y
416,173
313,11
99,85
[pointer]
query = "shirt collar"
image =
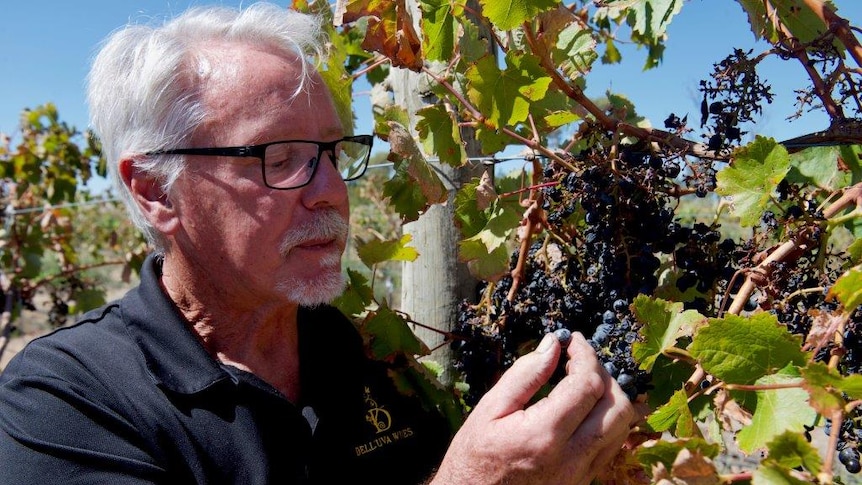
x,y
175,357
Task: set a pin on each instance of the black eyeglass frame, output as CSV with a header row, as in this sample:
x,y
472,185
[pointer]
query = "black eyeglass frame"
x,y
259,152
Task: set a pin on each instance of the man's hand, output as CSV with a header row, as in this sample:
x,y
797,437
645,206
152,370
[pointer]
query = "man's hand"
x,y
565,438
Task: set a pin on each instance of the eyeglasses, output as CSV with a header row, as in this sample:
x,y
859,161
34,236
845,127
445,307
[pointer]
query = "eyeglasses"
x,y
291,164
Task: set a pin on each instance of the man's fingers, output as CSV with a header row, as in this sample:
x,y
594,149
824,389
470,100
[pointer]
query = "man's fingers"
x,y
521,382
572,399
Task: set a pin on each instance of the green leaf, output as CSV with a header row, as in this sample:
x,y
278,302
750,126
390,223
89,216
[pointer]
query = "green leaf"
x,y
390,336
575,51
792,450
818,166
472,45
339,82
499,229
492,141
468,217
664,323
415,186
87,299
504,97
667,374
438,28
612,54
741,350
441,134
827,387
377,251
801,22
356,297
753,177
484,265
855,252
417,379
508,14
675,417
848,289
850,159
778,411
771,473
665,452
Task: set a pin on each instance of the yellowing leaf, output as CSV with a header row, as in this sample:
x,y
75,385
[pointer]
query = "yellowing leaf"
x,y
415,186
848,289
753,177
377,251
826,387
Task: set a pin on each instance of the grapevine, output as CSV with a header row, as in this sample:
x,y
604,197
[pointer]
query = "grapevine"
x,y
715,272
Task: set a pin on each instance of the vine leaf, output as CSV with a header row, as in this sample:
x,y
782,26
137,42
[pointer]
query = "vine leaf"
x,y
389,32
850,162
389,336
753,177
469,217
440,134
666,452
848,289
771,473
777,411
357,296
675,416
648,19
741,350
855,252
505,96
664,323
438,28
485,252
826,386
508,14
818,166
417,379
802,22
791,450
415,186
377,251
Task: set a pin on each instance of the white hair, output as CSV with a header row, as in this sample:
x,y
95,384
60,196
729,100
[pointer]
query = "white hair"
x,y
144,85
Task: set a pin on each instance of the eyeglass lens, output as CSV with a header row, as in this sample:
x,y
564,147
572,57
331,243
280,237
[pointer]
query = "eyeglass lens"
x,y
292,164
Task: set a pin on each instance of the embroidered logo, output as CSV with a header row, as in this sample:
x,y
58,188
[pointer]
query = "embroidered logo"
x,y
376,415
381,420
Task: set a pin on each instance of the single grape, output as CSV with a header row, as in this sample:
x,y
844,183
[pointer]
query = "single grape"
x,y
564,336
853,466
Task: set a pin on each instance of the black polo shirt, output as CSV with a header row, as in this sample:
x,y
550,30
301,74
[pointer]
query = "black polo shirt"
x,y
129,395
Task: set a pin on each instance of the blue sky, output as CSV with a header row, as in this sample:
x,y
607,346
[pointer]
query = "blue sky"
x,y
47,47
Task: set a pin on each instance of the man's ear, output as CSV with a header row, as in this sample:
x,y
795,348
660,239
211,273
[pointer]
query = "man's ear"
x,y
148,194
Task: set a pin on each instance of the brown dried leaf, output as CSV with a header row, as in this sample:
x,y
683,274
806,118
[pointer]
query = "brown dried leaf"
x,y
485,192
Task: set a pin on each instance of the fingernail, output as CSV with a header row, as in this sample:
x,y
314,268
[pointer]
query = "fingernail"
x,y
546,343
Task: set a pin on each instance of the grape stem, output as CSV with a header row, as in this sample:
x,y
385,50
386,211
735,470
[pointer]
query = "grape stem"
x,y
791,249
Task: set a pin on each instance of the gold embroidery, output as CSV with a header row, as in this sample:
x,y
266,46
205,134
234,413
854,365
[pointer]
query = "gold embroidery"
x,y
376,415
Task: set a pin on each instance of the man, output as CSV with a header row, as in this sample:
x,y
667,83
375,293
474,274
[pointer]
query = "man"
x,y
225,365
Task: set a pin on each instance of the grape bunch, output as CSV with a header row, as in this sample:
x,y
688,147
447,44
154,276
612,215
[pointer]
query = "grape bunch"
x,y
609,229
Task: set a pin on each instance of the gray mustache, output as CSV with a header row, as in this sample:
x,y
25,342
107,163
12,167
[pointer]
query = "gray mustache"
x,y
327,224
